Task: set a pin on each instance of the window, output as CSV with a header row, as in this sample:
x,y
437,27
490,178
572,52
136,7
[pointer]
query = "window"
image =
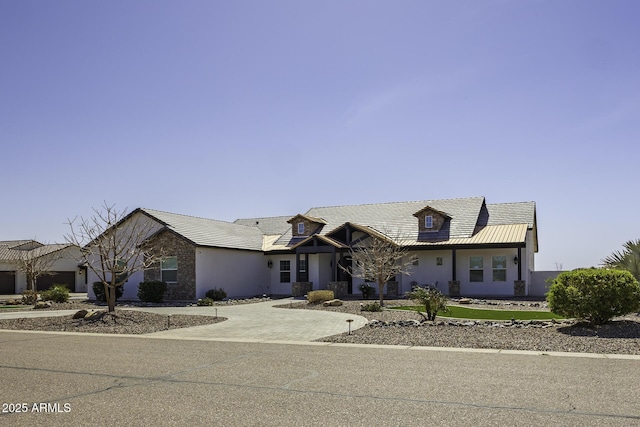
x,y
169,269
428,221
499,267
122,272
476,269
285,271
438,260
303,265
301,228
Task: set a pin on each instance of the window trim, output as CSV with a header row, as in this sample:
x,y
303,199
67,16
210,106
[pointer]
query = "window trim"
x,y
494,269
286,271
301,228
476,269
428,224
162,269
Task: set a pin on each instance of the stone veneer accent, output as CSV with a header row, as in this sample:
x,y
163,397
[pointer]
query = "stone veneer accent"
x,y
300,289
339,288
392,290
519,288
310,227
454,288
173,245
438,219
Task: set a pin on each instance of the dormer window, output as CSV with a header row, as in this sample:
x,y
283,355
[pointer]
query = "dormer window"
x,y
301,228
428,221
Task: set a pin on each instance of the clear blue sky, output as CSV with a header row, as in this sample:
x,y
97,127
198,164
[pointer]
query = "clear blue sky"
x,y
230,109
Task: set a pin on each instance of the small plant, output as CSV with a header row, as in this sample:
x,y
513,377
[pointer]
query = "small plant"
x,y
98,290
594,295
57,293
205,302
29,297
317,297
431,298
367,290
216,294
152,291
374,306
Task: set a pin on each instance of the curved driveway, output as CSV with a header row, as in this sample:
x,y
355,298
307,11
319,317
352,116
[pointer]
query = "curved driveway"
x,y
260,322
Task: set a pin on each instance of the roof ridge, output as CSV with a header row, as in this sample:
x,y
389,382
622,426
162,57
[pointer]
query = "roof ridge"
x,y
400,202
185,215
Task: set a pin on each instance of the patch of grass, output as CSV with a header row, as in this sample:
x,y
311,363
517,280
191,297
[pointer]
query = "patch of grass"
x,y
458,312
12,306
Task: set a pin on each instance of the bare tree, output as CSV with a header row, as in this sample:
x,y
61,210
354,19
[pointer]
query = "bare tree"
x,y
379,259
38,261
114,246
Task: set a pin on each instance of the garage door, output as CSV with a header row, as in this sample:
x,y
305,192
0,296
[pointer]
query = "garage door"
x,y
67,278
7,283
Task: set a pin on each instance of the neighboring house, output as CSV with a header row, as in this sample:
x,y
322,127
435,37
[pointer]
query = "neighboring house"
x,y
463,246
64,270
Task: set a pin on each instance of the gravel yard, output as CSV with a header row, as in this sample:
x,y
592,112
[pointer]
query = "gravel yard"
x,y
395,327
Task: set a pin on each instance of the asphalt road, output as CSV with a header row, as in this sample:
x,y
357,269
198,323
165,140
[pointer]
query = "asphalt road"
x,y
102,380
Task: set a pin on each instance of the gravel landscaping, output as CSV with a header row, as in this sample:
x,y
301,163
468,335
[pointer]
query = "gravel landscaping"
x,y
396,327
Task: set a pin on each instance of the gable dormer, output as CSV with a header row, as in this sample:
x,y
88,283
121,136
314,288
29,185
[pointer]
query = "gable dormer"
x,y
430,219
305,226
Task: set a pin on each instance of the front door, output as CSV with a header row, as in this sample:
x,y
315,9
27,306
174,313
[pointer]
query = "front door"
x,y
343,276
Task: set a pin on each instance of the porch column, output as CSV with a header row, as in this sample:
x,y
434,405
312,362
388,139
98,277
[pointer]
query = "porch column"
x,y
334,266
519,263
297,266
453,264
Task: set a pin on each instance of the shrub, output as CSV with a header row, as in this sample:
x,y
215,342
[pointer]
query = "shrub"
x,y
594,295
367,290
98,290
29,297
317,297
374,306
216,294
57,293
152,291
205,301
431,298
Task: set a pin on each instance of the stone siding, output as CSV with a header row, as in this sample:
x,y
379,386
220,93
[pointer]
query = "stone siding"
x,y
438,220
519,288
300,289
454,288
173,245
339,288
310,227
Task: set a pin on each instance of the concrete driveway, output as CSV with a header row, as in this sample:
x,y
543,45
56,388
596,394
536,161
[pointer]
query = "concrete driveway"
x,y
246,322
260,322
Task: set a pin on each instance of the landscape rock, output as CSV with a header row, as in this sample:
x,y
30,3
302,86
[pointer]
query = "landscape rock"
x,y
94,315
80,314
465,301
332,303
42,304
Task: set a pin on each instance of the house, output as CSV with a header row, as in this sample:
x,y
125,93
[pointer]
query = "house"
x,y
63,266
463,246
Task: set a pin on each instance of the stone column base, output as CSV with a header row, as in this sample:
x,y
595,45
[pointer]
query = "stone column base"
x,y
454,288
519,288
392,290
300,289
339,288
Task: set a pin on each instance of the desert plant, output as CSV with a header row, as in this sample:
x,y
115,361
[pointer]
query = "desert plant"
x,y
57,293
374,306
594,295
205,302
367,290
98,290
317,297
627,259
29,297
431,298
152,291
216,294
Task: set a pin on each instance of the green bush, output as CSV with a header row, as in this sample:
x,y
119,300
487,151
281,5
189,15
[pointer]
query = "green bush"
x,y
594,295
374,306
98,290
57,293
152,291
205,302
431,298
317,297
29,297
216,294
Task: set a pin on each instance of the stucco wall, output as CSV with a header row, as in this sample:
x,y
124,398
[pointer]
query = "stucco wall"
x,y
239,273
